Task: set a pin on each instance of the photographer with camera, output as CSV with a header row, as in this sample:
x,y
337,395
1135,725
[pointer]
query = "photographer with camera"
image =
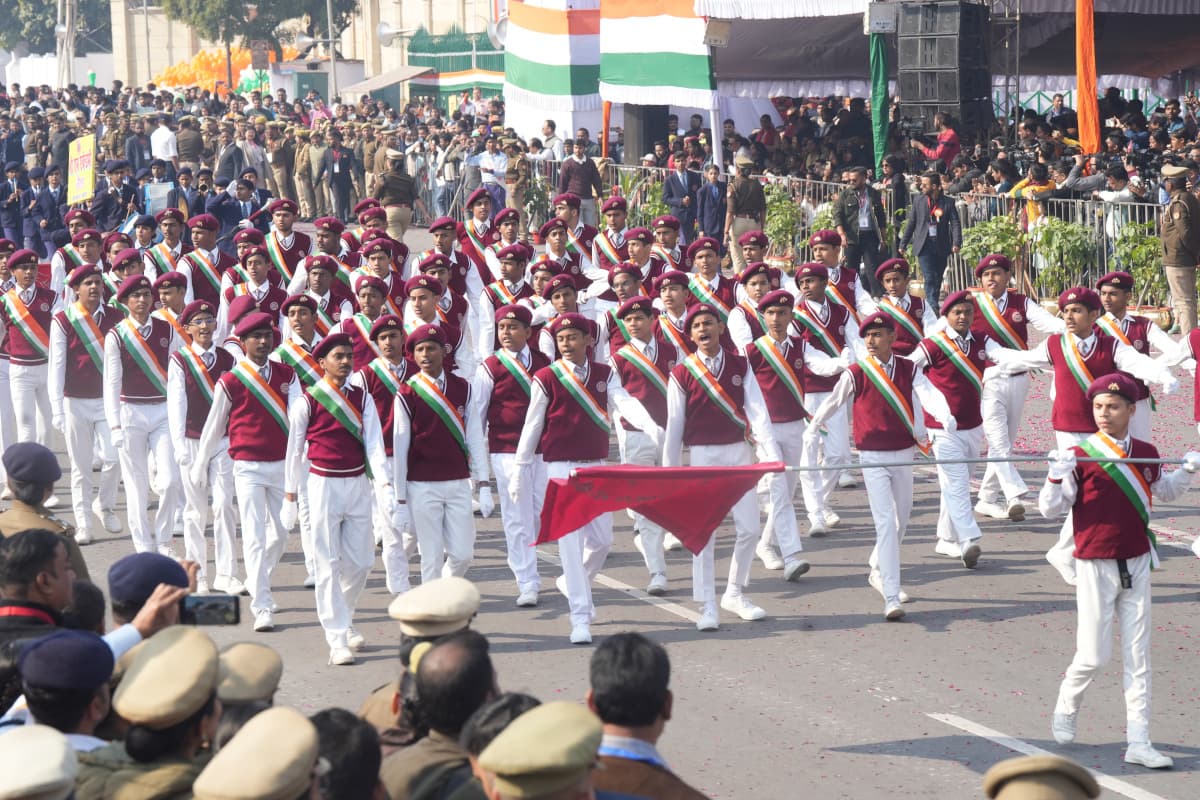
x,y
947,146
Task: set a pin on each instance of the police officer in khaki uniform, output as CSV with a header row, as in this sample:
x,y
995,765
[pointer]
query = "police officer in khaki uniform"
x,y
1039,778
32,470
250,673
549,751
746,210
1181,245
275,756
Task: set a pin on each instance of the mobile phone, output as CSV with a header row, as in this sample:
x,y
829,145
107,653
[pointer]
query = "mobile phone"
x,y
210,609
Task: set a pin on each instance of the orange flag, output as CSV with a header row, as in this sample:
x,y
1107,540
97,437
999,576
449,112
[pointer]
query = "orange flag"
x,y
1085,76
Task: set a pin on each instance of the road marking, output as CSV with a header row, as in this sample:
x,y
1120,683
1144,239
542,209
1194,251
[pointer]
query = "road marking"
x,y
996,737
633,591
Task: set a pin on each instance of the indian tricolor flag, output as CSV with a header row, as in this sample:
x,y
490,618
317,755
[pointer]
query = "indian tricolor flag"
x,y
652,52
552,54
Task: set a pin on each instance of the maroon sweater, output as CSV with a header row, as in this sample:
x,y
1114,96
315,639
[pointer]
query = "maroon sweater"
x,y
333,451
433,452
1072,411
509,403
640,387
1106,523
782,405
569,434
16,345
964,398
83,378
877,426
135,385
254,435
198,405
706,423
385,399
839,318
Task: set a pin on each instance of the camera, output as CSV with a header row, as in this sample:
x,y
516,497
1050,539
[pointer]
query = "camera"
x,y
210,609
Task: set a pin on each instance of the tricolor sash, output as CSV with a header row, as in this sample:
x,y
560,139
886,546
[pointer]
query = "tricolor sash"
x,y
566,376
574,245
324,322
607,248
780,366
362,323
903,318
674,334
948,346
1004,331
427,389
665,255
476,242
1132,483
516,369
621,326
307,368
716,393
902,405
143,356
23,320
810,323
835,294
85,327
275,251
1113,328
195,366
644,365
254,382
703,292
162,257
72,254
171,317
752,313
109,283
202,265
385,375
343,273
502,293
1075,363
334,400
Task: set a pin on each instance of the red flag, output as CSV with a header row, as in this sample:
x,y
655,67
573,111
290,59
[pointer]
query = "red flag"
x,y
690,502
1086,104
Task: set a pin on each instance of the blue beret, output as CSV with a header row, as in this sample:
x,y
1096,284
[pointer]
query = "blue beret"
x,y
37,172
145,221
184,171
30,462
12,165
134,578
144,172
66,659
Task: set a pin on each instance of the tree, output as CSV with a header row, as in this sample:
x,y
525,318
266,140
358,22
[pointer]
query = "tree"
x,y
225,21
35,21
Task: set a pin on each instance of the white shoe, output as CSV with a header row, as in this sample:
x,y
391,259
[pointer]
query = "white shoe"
x,y
993,510
709,619
671,542
108,518
1065,566
818,528
234,586
876,581
971,553
768,556
6,494
1016,510
581,634
792,570
527,599
168,551
310,582
893,611
847,480
355,639
740,604
264,621
51,502
1063,726
947,548
83,537
658,585
560,583
201,586
341,656
1144,754
831,518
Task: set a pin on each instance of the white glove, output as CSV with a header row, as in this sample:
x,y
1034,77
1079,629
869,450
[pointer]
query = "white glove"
x,y
402,517
514,486
812,436
289,514
245,223
1191,461
198,475
1196,547
59,423
486,504
951,425
658,436
1061,463
1170,385
846,358
118,438
183,457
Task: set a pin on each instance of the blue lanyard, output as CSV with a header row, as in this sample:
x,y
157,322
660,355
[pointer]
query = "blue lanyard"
x,y
619,752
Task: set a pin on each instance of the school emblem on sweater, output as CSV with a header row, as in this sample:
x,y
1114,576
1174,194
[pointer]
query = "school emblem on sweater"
x,y
736,380
1138,344
601,386
274,306
1017,317
45,307
162,342
799,363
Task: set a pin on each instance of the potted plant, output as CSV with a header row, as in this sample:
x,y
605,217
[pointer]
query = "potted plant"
x,y
785,222
1139,252
537,205
1061,252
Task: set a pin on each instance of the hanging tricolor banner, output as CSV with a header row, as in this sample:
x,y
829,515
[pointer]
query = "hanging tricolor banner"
x,y
552,55
652,52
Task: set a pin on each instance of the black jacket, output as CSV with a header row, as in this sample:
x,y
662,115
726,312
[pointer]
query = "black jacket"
x,y
916,228
20,622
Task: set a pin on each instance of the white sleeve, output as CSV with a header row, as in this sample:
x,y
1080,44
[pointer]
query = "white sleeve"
x,y
854,342
401,439
543,313
929,318
482,387
373,439
1160,340
176,405
1043,320
1140,366
58,273
487,327
547,346
920,356
474,283
297,433
113,375
602,337
739,329
215,427
493,263
1178,354
1056,498
299,280
1037,358
629,407
820,363
535,422
931,400
476,443
676,416
759,417
863,300
56,377
843,390
184,268
150,269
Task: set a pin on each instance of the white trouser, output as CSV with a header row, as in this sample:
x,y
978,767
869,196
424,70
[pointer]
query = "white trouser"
x,y
638,448
890,493
582,551
956,517
145,435
259,487
343,547
195,512
1102,602
8,419
1139,424
85,427
31,402
833,449
444,525
1063,551
521,520
780,526
1003,402
304,521
745,523
395,557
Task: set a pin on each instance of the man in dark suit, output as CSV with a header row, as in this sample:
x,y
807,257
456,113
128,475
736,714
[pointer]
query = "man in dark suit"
x,y
29,198
236,210
629,693
230,160
710,204
935,231
679,193
11,210
50,205
114,200
860,220
337,167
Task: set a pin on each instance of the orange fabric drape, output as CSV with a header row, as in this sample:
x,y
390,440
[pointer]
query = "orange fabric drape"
x,y
605,117
1085,76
